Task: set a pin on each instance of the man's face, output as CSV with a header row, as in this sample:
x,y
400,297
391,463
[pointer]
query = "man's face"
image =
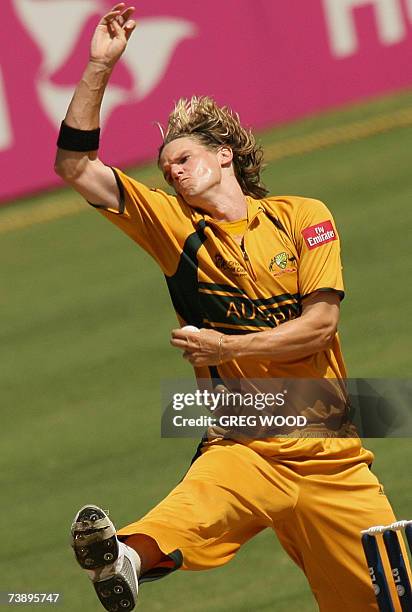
x,y
190,168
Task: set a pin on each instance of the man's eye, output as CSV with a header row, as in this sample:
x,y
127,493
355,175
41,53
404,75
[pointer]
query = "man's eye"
x,y
184,159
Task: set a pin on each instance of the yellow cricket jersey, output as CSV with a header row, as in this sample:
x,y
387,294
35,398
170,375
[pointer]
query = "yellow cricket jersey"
x,y
290,248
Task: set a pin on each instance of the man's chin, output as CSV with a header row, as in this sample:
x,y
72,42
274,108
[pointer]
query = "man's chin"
x,y
190,195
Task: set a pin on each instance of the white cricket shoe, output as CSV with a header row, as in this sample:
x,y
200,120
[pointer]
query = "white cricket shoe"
x,y
112,566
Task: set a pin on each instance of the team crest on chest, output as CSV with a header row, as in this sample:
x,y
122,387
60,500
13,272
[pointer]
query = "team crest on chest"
x,y
280,260
278,264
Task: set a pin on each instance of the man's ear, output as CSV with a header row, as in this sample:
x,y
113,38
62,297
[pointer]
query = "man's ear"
x,y
225,156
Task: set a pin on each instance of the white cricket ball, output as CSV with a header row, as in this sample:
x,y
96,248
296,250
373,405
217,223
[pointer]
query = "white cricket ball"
x,y
190,328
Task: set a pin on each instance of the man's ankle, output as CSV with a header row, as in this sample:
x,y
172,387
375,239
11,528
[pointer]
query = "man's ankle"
x,y
146,549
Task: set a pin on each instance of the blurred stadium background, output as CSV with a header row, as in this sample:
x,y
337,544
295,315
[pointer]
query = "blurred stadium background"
x,y
84,347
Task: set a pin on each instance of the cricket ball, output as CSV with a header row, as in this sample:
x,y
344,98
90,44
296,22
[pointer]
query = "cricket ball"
x,y
190,328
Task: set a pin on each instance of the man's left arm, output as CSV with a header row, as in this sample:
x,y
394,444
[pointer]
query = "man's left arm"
x,y
310,333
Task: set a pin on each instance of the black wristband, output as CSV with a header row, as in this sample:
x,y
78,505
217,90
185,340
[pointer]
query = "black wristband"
x,y
72,139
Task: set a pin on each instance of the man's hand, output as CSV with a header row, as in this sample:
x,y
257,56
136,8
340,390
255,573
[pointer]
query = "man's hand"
x,y
202,348
111,35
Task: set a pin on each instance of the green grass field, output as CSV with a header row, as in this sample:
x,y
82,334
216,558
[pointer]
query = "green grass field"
x,y
84,347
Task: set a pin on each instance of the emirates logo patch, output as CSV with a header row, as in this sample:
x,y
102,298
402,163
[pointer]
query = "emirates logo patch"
x,y
319,234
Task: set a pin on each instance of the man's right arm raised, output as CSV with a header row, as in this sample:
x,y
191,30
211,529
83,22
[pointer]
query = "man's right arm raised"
x,y
82,169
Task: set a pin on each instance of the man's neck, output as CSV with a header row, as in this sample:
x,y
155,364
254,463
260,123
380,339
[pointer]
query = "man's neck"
x,y
224,205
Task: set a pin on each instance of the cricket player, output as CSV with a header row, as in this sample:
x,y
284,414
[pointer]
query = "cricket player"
x,y
261,277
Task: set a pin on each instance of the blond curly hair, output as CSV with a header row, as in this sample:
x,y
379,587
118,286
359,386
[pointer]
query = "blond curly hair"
x,y
213,126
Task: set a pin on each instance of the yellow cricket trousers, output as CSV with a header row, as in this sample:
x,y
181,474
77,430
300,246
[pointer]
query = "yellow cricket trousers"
x,y
317,507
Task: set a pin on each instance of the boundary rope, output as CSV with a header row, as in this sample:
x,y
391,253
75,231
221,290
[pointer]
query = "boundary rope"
x,y
21,218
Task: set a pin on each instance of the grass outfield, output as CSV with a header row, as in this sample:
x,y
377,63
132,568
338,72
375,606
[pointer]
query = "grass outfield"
x,y
84,343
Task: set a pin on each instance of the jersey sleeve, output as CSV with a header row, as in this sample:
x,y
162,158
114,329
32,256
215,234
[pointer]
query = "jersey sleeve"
x,y
150,217
318,245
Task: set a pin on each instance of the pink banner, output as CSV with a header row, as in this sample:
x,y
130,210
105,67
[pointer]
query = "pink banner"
x,y
272,61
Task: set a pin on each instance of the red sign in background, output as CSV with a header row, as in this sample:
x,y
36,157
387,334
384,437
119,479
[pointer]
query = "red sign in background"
x,y
272,61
